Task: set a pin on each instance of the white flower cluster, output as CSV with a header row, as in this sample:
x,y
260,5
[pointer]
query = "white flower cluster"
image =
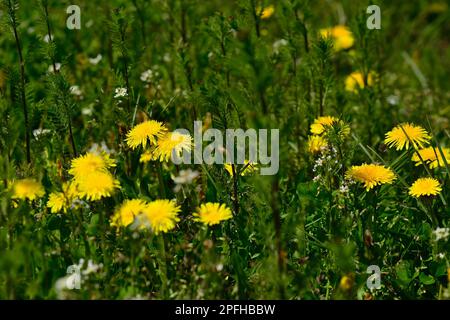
x,y
326,158
37,133
120,93
185,177
441,233
278,44
150,75
76,91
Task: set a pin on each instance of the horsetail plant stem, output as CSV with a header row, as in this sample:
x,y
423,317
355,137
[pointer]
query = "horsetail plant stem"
x,y
12,9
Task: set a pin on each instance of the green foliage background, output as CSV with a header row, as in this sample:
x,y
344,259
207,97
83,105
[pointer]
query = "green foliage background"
x,y
290,237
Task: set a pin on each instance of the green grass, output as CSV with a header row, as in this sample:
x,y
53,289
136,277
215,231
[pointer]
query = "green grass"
x,y
293,235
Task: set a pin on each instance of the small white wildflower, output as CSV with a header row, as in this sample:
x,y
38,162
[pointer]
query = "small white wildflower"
x,y
441,255
75,90
185,177
39,132
167,57
278,44
87,111
120,92
441,233
95,60
147,76
47,38
51,69
393,100
316,178
343,188
91,268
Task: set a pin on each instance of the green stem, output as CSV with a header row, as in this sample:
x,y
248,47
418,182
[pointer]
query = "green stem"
x,y
163,266
162,186
14,25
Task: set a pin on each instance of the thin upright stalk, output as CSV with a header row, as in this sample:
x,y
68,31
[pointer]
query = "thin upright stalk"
x,y
162,265
277,225
49,32
13,21
235,190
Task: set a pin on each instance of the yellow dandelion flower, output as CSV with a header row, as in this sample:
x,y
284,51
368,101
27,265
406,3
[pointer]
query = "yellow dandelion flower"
x,y
70,191
61,201
56,202
425,187
147,156
371,175
432,157
320,124
356,80
27,189
397,138
346,282
97,185
341,35
316,144
90,162
247,168
212,213
145,132
172,142
125,215
160,215
266,12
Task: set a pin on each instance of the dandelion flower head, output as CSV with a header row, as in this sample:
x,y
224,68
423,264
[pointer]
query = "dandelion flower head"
x,y
172,142
356,80
341,35
425,187
432,157
212,213
27,189
402,135
371,175
145,132
160,216
126,213
89,163
97,185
